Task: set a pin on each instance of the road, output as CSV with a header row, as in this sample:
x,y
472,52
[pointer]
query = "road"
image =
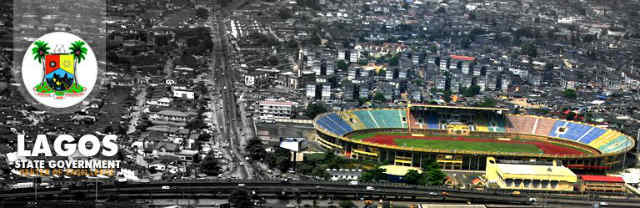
x,y
223,77
140,102
298,190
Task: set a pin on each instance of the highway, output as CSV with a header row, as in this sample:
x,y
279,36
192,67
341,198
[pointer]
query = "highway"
x,y
224,77
297,190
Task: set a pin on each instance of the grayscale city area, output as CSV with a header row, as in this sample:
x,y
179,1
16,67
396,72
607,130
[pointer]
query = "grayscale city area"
x,y
327,103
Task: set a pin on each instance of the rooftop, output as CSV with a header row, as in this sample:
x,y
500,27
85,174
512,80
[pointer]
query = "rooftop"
x,y
537,170
601,178
398,170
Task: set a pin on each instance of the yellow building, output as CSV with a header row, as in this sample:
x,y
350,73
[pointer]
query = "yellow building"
x,y
396,173
530,177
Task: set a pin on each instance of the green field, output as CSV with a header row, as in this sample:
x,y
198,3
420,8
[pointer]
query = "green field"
x,y
469,146
373,134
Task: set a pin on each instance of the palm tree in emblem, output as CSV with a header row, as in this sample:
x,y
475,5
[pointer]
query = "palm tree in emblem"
x,y
39,52
79,52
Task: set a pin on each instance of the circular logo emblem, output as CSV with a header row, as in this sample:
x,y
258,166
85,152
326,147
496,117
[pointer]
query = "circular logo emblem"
x,y
59,70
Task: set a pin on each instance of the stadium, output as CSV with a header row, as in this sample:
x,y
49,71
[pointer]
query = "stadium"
x,y
461,138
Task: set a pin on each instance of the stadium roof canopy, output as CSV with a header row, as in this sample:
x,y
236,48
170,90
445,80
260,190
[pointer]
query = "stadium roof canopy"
x,y
457,107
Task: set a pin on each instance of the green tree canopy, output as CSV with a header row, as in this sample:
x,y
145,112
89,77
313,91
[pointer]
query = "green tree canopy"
x,y
285,13
315,109
530,49
488,102
394,61
347,204
570,93
375,175
379,97
256,149
433,173
202,13
415,178
281,159
342,65
471,91
40,50
210,166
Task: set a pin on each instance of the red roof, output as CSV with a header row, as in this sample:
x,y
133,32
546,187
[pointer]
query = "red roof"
x,y
600,178
463,58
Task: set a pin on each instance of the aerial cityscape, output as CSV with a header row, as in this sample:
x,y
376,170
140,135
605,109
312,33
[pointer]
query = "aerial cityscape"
x,y
319,103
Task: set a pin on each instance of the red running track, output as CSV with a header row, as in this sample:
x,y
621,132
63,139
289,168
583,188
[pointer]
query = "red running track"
x,y
547,148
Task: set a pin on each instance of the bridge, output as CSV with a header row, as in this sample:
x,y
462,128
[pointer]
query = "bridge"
x,y
215,189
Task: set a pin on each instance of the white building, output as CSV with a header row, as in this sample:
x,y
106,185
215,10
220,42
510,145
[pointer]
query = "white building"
x,y
183,94
277,109
311,91
326,92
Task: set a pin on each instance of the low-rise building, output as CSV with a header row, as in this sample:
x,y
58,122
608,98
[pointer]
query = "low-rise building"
x,y
171,117
548,177
344,174
182,93
276,109
598,183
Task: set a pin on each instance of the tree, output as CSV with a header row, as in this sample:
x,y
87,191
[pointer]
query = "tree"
x,y
415,178
144,124
433,173
315,109
379,97
196,123
362,101
202,13
39,52
273,60
256,149
204,137
571,116
315,40
570,93
223,3
447,96
530,49
433,48
347,204
374,175
284,13
240,198
196,158
471,91
79,51
210,165
488,102
342,65
280,160
394,60
436,177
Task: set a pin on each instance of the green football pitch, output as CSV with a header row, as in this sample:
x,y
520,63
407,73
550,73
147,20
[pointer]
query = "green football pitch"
x,y
469,146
